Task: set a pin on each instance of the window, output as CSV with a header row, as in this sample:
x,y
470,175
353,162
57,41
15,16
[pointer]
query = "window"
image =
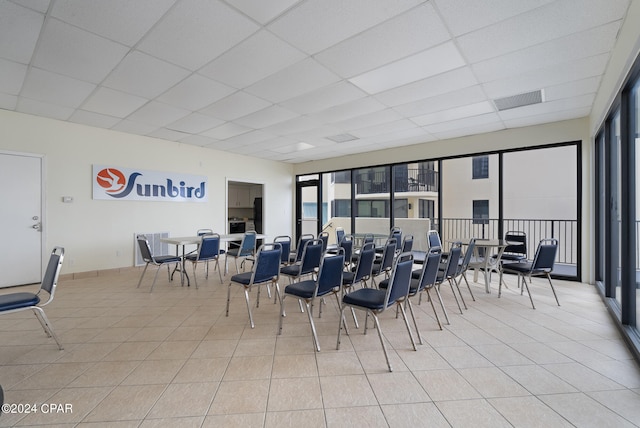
x,y
427,209
481,211
341,208
341,177
480,167
373,208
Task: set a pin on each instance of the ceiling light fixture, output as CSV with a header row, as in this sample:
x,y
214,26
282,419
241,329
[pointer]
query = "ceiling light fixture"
x,y
342,138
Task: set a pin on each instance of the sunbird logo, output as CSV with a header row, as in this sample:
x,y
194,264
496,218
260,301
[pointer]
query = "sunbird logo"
x,y
147,186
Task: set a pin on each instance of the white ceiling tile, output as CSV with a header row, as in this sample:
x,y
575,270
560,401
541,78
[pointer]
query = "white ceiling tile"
x,y
293,126
195,92
462,123
198,140
463,16
249,138
13,75
323,98
575,46
8,102
225,131
113,103
402,36
470,95
266,117
38,5
168,134
196,31
428,63
317,135
384,128
45,109
124,21
296,147
159,114
548,107
552,21
547,117
293,81
257,57
455,113
76,53
349,110
315,25
132,127
194,123
263,11
370,119
55,89
471,130
539,79
19,31
144,75
93,119
572,89
236,105
443,83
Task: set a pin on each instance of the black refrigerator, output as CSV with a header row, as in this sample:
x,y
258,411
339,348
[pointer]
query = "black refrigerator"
x,y
257,216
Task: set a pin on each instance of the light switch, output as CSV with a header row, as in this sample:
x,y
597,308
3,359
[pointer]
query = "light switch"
x,y
67,199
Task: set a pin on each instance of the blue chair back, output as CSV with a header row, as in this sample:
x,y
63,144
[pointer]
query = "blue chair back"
x,y
301,243
396,233
400,279
339,234
452,260
267,265
330,273
209,247
517,243
429,273
311,256
248,245
407,244
324,237
467,255
202,232
433,237
285,243
50,279
145,249
388,254
545,256
365,262
346,243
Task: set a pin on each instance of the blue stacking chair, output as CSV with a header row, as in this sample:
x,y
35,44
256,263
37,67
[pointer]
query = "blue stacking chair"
x,y
247,249
542,265
208,250
22,301
375,301
265,271
150,259
310,261
329,281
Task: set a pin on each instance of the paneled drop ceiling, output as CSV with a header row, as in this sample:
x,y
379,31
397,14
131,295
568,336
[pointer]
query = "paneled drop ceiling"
x,y
297,80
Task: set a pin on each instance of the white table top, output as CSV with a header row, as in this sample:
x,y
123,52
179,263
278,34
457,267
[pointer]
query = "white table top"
x,y
188,240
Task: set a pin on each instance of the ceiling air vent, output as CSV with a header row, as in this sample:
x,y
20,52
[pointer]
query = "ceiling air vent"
x,y
342,138
519,100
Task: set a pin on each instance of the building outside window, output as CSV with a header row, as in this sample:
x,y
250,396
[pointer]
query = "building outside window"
x,y
481,211
480,167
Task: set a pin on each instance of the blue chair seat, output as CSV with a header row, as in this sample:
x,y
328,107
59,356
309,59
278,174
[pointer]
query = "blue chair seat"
x,y
413,286
167,259
347,277
370,298
243,278
12,301
302,289
519,267
291,270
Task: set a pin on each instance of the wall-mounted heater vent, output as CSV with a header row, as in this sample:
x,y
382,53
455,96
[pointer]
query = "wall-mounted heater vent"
x,y
519,100
158,248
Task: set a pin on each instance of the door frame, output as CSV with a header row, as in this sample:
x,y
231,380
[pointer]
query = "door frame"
x,y
43,205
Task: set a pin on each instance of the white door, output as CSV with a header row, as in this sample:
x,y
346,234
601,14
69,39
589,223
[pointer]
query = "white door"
x,y
21,219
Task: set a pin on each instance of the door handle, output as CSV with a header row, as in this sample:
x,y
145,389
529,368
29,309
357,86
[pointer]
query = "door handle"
x,y
37,226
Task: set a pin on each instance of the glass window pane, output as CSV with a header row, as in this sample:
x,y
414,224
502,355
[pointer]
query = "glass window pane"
x,y
373,192
336,190
540,199
616,142
635,115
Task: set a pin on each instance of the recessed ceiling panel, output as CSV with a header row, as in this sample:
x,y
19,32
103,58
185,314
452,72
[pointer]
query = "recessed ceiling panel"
x,y
13,75
158,114
263,11
113,103
19,31
55,89
195,92
323,98
236,105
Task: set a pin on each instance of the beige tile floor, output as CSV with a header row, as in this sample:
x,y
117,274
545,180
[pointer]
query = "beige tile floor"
x,y
172,358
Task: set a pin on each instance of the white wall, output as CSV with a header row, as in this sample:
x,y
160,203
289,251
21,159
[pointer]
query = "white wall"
x,y
98,234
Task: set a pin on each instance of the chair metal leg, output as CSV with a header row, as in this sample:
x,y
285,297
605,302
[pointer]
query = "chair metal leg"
x,y
441,304
524,281
228,298
434,309
415,324
340,323
459,292
384,348
142,276
454,296
469,287
155,277
406,323
246,297
313,328
553,289
44,321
